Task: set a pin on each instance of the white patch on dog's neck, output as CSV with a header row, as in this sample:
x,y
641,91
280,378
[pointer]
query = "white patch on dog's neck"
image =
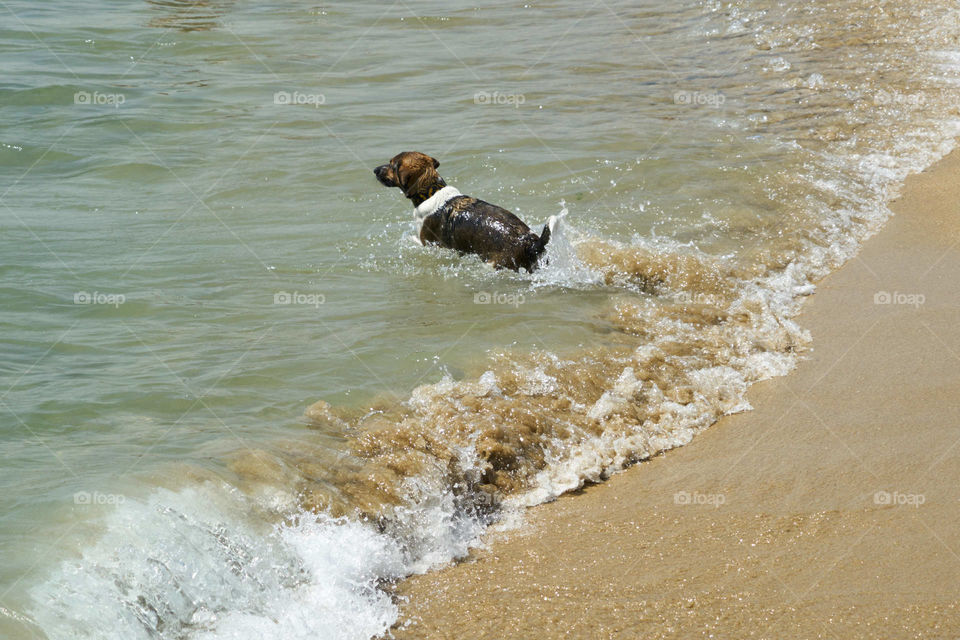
x,y
430,206
434,202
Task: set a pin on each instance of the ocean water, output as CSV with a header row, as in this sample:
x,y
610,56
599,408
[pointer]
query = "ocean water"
x,y
238,401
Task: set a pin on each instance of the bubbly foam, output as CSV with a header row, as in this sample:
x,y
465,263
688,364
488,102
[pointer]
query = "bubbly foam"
x,y
193,563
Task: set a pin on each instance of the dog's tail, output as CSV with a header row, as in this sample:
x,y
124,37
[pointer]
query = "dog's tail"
x,y
539,246
548,229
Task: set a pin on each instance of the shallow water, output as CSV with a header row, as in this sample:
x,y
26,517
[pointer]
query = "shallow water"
x,y
191,167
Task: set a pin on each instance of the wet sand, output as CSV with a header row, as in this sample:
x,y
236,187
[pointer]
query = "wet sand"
x,y
831,510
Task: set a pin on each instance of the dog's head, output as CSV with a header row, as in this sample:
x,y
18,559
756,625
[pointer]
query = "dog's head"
x,y
412,172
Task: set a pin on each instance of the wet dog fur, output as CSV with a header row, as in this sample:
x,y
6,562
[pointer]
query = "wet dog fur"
x,y
450,219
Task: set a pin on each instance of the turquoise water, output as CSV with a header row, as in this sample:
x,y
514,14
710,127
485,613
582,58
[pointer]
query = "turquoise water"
x,y
171,171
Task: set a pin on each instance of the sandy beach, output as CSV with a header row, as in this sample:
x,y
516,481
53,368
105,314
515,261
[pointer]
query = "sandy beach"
x,y
841,520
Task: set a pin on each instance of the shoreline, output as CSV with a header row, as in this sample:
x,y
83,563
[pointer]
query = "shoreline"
x,y
829,510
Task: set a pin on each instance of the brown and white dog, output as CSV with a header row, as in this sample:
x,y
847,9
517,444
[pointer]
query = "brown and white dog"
x,y
455,221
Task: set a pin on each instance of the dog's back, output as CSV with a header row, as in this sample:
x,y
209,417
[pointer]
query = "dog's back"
x,y
459,222
496,235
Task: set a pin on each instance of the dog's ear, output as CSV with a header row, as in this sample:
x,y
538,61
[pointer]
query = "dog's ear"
x,y
436,163
422,177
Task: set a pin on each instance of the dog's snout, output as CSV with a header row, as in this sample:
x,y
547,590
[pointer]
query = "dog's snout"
x,y
385,175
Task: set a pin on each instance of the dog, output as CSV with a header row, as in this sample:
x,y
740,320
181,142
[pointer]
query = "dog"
x,y
455,221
